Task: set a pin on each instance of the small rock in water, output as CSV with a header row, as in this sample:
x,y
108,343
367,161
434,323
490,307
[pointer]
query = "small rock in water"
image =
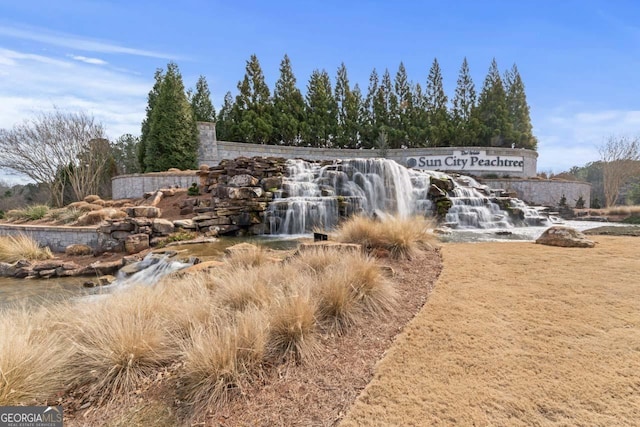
x,y
503,233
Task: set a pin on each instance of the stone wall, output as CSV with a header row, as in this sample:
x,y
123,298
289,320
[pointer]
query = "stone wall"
x,y
135,185
57,238
213,151
544,192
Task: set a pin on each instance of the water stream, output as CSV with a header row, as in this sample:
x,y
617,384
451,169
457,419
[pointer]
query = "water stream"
x,y
317,195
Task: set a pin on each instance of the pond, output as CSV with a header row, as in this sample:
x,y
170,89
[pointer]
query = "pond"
x,y
46,291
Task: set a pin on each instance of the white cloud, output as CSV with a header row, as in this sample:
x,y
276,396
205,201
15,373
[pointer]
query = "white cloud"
x,y
93,61
571,136
74,42
32,83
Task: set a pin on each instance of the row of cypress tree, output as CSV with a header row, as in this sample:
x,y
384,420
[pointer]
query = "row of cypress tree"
x,y
394,112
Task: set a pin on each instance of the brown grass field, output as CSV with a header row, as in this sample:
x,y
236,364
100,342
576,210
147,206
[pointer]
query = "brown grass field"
x,y
518,334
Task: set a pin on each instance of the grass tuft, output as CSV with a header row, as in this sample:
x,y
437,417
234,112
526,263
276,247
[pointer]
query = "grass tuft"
x,y
15,248
29,213
403,238
210,370
252,256
292,327
118,342
351,290
316,260
242,288
32,363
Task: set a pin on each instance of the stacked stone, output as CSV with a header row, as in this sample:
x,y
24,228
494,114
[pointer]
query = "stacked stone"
x,y
438,192
134,233
56,268
241,190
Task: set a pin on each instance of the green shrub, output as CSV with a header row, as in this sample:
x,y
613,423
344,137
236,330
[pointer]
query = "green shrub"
x,y
29,213
193,190
633,219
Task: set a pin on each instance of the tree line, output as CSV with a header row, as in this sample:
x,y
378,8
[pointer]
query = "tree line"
x,y
394,112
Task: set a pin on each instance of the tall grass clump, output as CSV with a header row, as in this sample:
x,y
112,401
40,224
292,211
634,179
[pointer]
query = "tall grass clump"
x,y
64,215
292,327
250,256
351,290
118,342
316,260
28,213
21,246
403,238
32,362
211,369
242,288
186,303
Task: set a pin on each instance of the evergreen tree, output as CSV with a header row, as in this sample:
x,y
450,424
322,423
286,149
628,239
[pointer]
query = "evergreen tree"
x,y
370,126
124,151
253,121
402,117
438,131
224,123
200,101
417,127
349,104
385,106
288,106
172,141
146,122
522,131
321,111
353,124
464,123
495,129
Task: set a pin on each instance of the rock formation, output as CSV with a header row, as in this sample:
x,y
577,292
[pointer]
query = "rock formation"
x,y
567,237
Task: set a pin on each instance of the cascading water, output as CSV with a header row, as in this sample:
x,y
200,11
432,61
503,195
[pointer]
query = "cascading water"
x,y
317,195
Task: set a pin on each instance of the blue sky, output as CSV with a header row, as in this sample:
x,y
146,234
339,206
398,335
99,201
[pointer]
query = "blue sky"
x,y
579,59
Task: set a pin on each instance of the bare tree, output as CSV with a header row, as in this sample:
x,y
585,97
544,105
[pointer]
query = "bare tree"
x,y
620,162
57,148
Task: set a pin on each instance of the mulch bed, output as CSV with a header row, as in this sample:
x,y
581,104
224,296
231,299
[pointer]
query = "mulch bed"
x,y
320,391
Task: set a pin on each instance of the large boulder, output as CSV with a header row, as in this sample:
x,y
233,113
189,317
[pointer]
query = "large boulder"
x,y
78,250
135,243
243,180
163,227
144,211
567,237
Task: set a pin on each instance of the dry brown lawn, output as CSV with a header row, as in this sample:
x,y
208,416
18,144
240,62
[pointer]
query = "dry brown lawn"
x,y
518,334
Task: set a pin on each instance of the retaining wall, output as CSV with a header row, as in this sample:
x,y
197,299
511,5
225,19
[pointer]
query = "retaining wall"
x,y
544,192
57,238
212,151
135,185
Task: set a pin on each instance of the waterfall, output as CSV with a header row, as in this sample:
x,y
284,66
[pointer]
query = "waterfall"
x,y
317,195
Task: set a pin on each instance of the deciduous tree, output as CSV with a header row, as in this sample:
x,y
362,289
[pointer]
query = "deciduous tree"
x,y
620,158
44,146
